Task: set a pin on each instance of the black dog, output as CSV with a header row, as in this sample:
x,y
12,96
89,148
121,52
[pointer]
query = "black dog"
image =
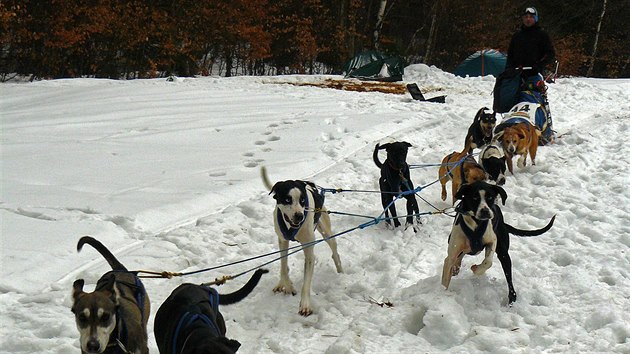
x,y
395,179
479,225
189,321
481,130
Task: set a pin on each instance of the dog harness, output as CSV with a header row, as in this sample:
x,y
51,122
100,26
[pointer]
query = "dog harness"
x,y
462,174
288,233
400,181
475,237
191,316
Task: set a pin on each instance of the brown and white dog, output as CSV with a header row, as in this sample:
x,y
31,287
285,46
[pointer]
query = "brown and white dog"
x,y
113,318
519,139
479,226
460,168
299,212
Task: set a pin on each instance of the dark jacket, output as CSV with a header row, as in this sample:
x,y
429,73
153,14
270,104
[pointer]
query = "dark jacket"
x,y
531,46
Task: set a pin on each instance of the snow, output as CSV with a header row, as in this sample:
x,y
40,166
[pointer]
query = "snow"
x,y
167,175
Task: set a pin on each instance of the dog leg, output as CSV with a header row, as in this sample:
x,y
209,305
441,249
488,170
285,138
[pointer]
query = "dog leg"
x,y
324,228
480,269
533,148
392,210
458,264
385,200
309,265
506,264
455,187
522,160
452,260
447,272
508,160
412,208
284,285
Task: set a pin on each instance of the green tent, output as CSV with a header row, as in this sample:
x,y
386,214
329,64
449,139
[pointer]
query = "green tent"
x,y
482,63
377,66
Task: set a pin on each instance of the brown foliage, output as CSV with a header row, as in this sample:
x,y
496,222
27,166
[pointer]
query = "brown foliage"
x,y
148,38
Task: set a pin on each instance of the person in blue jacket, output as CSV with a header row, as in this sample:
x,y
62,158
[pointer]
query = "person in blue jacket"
x,y
531,47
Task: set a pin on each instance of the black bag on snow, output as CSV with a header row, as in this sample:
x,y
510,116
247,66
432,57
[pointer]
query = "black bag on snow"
x,y
506,90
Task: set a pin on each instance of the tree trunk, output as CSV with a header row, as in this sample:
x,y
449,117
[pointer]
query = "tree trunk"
x,y
427,53
379,23
589,72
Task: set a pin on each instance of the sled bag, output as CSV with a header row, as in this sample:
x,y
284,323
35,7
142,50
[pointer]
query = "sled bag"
x,y
541,118
506,90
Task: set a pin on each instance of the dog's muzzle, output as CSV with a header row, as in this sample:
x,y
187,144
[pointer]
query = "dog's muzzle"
x,y
484,214
93,346
296,221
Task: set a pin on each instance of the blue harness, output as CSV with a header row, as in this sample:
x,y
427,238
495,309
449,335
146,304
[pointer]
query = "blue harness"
x,y
191,316
288,233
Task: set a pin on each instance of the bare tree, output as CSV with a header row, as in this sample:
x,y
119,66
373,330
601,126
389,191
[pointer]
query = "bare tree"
x,y
594,54
380,17
432,30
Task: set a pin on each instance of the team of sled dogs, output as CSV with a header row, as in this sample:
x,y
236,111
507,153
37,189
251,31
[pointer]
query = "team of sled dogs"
x,y
113,318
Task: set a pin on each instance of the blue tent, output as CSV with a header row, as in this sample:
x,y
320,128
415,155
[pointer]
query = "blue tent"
x,y
481,63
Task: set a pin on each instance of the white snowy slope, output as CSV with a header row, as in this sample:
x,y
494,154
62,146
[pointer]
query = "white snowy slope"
x,y
167,175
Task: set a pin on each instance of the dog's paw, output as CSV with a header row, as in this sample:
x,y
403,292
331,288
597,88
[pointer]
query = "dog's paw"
x,y
521,162
305,310
477,269
415,228
455,270
285,289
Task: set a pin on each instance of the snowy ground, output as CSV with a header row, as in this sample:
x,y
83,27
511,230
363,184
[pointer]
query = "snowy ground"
x,y
166,174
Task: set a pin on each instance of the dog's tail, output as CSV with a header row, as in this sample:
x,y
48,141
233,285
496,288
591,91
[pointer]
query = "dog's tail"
x,y
375,156
109,257
242,293
265,178
511,229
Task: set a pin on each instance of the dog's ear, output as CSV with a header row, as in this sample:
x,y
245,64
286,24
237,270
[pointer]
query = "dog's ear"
x,y
463,189
77,289
501,192
480,112
115,295
230,343
498,136
521,135
407,144
273,190
383,147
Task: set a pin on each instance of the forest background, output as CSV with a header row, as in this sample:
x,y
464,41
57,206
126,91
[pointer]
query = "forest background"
x,y
126,39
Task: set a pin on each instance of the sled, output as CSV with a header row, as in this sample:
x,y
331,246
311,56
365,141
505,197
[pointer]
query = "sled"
x,y
417,95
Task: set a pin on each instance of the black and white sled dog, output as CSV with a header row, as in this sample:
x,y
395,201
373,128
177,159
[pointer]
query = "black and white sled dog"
x,y
492,160
299,211
479,226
